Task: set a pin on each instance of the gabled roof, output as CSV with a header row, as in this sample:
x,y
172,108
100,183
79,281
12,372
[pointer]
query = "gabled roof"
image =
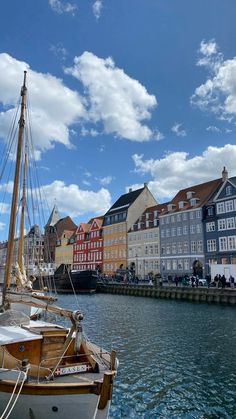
x,y
231,181
54,217
97,221
124,201
202,192
84,227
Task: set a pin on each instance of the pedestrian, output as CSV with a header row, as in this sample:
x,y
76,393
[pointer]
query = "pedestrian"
x,y
197,281
176,280
231,281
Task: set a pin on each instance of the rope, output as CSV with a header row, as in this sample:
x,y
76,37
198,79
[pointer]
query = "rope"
x,y
13,393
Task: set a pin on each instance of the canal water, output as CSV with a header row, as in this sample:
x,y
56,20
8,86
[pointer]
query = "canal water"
x,y
177,359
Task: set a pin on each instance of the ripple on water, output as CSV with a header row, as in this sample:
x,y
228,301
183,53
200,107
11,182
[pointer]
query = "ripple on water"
x,y
177,360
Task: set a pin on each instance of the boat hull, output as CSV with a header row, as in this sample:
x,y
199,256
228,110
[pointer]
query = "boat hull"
x,y
79,406
78,281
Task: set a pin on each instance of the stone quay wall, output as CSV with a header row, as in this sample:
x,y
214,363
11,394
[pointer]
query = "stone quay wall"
x,y
200,294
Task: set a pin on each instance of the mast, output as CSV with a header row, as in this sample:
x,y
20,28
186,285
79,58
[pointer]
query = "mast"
x,y
12,224
22,220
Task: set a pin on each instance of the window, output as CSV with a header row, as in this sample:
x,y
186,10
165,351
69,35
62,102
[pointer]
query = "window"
x,y
230,223
185,247
186,264
198,228
167,232
178,217
174,264
198,214
228,190
210,211
179,247
220,207
199,246
193,246
174,248
229,206
210,226
172,218
192,229
179,231
221,224
222,244
185,216
191,215
185,229
168,249
232,243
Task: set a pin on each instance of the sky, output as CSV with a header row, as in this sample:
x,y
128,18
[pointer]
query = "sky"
x,y
121,93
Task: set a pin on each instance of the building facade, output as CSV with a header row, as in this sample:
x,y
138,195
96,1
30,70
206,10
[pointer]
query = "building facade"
x,y
117,222
219,220
181,231
144,244
88,246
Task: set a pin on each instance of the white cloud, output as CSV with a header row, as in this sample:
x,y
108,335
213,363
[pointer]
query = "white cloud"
x,y
119,101
106,180
59,51
97,7
178,131
73,201
212,128
2,226
61,7
218,93
50,117
4,208
177,170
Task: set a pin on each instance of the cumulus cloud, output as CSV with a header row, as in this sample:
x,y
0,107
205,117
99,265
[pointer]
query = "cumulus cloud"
x,y
212,128
74,201
97,7
2,226
50,118
115,99
218,93
177,170
178,131
61,7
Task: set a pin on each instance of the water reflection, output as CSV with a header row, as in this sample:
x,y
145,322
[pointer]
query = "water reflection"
x,y
177,359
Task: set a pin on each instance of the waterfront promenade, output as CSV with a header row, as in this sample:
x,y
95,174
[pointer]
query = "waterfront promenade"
x,y
186,293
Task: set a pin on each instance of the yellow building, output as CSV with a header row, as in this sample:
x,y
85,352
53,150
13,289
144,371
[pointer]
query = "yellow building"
x,y
117,221
64,249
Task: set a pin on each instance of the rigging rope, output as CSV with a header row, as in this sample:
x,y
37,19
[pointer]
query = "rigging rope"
x,y
13,393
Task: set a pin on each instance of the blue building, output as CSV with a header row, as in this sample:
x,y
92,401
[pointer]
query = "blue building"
x,y
219,221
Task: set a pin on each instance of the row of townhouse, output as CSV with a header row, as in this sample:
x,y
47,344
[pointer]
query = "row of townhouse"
x,y
186,235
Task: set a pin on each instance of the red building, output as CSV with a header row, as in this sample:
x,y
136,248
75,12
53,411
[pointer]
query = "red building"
x,y
88,247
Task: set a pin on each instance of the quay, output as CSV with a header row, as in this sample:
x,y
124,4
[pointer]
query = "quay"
x,y
201,294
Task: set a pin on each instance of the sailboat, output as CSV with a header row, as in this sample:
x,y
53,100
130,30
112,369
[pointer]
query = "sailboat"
x,y
47,370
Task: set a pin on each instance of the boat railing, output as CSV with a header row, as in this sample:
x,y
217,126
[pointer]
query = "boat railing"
x,y
67,357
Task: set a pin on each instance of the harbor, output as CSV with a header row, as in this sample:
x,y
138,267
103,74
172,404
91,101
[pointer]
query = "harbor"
x,y
201,294
176,359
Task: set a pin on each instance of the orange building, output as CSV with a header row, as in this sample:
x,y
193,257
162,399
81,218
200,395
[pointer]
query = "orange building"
x,y
117,221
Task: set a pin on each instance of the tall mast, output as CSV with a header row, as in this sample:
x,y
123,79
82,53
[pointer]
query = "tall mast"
x,y
22,220
12,224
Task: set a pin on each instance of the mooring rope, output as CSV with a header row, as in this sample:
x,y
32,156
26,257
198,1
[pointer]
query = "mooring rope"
x,y
13,393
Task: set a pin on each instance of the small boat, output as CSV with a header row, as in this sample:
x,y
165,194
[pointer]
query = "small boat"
x,y
69,281
47,370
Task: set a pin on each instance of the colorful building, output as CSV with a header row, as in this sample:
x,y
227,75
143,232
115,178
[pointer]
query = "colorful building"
x,y
117,222
88,246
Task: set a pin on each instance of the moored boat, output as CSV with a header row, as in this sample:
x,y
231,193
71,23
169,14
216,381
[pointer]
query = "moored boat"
x,y
69,281
46,369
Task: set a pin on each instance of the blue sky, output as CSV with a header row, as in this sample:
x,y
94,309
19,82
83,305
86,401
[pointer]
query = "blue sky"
x,y
122,92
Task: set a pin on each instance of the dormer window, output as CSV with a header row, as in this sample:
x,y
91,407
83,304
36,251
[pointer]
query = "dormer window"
x,y
181,204
194,201
190,194
228,190
171,207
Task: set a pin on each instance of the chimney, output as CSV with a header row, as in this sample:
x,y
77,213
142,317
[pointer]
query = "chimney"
x,y
224,174
130,190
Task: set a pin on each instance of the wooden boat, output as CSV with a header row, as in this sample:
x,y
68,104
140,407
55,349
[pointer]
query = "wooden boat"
x,y
68,281
46,370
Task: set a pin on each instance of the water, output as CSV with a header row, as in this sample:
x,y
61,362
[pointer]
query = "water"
x,y
177,359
